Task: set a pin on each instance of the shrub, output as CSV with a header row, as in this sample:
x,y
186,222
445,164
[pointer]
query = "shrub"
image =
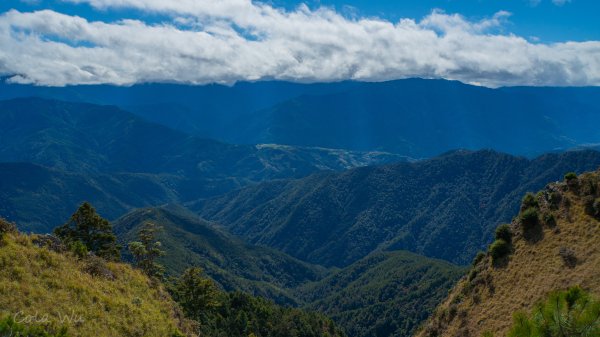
x,y
568,256
478,258
78,248
472,274
529,217
97,267
570,176
529,201
7,227
503,232
499,249
549,219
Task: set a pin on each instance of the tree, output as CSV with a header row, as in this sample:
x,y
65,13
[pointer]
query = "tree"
x,y
87,228
570,313
147,250
197,295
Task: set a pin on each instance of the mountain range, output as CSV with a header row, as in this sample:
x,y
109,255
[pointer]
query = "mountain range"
x,y
445,207
361,201
54,151
414,117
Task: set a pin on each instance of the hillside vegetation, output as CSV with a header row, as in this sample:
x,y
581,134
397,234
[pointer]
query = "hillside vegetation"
x,y
88,298
383,294
446,207
57,287
189,241
552,245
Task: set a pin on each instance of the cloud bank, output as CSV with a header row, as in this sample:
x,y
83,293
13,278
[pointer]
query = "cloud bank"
x,y
224,41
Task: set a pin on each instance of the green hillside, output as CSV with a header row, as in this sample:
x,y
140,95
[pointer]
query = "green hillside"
x,y
49,290
446,207
88,297
189,241
384,294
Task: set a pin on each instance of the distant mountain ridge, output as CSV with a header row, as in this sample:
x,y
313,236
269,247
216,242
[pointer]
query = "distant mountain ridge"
x,y
413,117
55,155
82,137
445,207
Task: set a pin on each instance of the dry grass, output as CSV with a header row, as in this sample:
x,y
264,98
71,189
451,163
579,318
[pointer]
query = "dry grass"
x,y
37,284
535,268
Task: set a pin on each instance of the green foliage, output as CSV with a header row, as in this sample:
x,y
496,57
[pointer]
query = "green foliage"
x,y
570,176
499,249
529,218
146,251
91,230
232,263
570,313
11,328
321,218
529,201
78,248
238,314
503,232
478,258
197,295
549,219
384,294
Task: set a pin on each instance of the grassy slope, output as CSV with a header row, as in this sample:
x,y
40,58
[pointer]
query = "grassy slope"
x,y
534,269
190,241
36,281
384,294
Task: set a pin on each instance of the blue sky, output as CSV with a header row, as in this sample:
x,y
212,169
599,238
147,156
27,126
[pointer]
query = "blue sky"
x,y
575,20
484,42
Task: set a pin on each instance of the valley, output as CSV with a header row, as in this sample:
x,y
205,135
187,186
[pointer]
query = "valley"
x,y
360,239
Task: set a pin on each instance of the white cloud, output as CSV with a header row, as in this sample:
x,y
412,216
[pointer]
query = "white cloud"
x,y
224,41
534,3
560,2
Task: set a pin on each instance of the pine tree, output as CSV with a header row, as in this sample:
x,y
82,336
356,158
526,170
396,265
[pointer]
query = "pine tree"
x,y
88,229
571,313
147,250
197,295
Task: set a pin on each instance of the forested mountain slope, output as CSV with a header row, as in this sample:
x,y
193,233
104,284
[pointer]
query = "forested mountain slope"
x,y
383,294
446,207
190,241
